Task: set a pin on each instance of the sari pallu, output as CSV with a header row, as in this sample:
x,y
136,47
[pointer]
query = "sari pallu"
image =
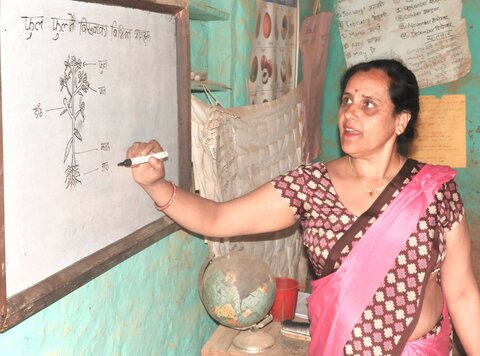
x,y
339,299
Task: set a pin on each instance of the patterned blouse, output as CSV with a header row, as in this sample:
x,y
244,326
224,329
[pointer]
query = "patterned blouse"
x,y
391,316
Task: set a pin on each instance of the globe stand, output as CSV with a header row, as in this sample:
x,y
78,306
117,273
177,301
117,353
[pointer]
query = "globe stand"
x,y
253,340
247,292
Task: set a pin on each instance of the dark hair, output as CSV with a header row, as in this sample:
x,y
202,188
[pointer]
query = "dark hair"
x,y
403,89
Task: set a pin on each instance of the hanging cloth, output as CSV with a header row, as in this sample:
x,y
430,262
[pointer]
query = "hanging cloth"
x,y
236,150
314,36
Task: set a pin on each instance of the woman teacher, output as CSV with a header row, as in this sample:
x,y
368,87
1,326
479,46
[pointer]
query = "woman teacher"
x,y
386,235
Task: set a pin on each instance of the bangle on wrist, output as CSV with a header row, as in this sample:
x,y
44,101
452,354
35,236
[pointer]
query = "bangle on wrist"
x,y
170,201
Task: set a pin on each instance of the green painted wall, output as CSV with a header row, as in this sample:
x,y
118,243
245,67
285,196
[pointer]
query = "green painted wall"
x,y
147,305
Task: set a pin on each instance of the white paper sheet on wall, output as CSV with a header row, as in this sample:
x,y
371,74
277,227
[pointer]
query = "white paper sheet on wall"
x,y
429,36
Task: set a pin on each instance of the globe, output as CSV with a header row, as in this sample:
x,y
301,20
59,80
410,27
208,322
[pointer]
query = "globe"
x,y
237,289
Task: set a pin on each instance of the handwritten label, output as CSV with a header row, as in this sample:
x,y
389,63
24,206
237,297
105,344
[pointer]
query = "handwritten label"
x,y
92,28
37,111
59,26
120,32
428,36
32,24
62,26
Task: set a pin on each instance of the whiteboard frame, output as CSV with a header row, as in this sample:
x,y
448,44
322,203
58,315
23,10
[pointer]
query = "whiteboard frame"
x,y
18,307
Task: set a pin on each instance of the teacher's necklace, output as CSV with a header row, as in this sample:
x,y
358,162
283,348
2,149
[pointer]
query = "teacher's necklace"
x,y
372,190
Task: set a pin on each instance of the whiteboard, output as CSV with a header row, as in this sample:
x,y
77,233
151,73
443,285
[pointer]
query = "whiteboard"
x,y
79,82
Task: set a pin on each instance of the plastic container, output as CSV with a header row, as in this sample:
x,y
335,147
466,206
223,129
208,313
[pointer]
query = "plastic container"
x,y
285,299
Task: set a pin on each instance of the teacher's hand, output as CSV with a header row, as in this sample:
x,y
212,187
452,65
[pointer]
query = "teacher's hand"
x,y
147,173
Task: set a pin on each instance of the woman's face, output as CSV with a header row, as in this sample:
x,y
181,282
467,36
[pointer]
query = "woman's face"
x,y
366,115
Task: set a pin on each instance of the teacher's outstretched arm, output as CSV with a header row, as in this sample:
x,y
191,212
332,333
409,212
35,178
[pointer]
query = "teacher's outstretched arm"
x,y
262,210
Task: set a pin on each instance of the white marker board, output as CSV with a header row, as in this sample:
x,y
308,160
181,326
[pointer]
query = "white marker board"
x,y
80,82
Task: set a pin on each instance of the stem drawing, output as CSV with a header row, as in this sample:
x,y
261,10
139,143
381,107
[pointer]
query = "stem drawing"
x,y
75,83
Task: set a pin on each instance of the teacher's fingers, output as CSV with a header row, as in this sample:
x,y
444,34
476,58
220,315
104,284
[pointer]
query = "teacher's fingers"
x,y
136,149
156,163
155,146
143,148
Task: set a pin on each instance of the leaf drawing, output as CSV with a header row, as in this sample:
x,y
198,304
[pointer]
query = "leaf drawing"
x,y
77,134
67,149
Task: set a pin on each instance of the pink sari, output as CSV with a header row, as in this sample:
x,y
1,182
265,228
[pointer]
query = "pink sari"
x,y
339,299
437,346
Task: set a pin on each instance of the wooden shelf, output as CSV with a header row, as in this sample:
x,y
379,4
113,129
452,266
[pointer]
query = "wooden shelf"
x,y
204,12
197,85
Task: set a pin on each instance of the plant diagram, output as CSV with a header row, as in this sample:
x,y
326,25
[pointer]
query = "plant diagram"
x,y
75,83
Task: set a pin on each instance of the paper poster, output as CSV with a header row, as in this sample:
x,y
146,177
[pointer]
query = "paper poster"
x,y
273,63
428,36
441,131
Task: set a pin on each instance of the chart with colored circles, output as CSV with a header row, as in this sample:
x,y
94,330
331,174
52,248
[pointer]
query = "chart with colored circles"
x,y
273,63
